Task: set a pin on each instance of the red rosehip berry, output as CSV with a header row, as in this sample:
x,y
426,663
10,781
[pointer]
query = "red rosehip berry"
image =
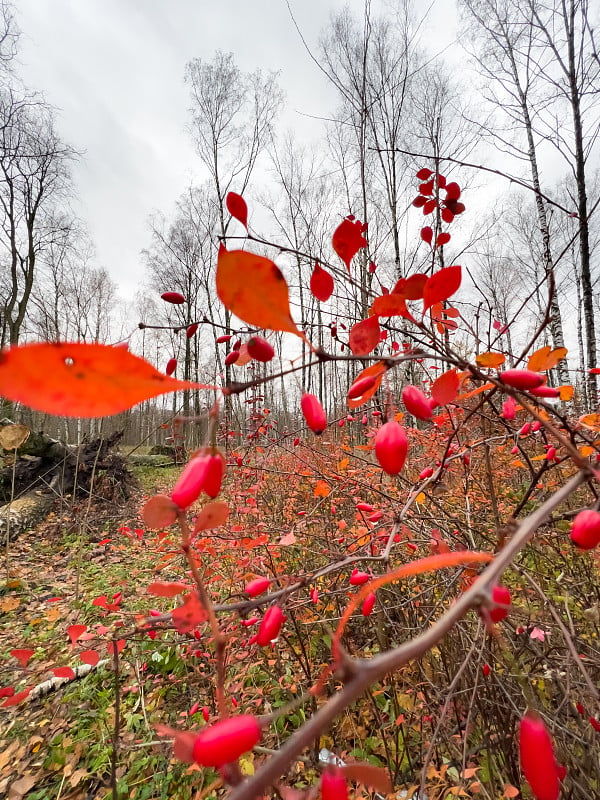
x,y
259,349
369,604
257,586
333,785
500,595
585,530
522,378
537,758
226,741
416,403
391,446
270,626
314,413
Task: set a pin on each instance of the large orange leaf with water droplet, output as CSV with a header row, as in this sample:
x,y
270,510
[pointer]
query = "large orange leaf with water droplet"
x,y
81,380
253,288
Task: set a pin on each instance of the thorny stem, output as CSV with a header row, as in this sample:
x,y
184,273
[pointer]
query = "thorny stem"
x,y
117,725
369,671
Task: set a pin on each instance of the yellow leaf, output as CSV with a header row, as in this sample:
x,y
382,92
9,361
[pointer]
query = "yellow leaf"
x,y
591,421
247,764
546,358
321,489
343,464
518,464
420,498
566,392
493,360
586,450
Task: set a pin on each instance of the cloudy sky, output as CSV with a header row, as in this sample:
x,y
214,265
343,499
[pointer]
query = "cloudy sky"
x,y
114,69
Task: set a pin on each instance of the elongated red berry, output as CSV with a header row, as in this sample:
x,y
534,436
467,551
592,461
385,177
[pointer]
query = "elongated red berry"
x,y
585,530
333,784
191,330
360,386
522,378
226,741
259,349
391,446
214,473
270,626
173,297
314,413
509,407
416,403
426,473
171,366
369,604
232,357
357,578
190,483
225,338
545,391
537,757
364,507
257,586
500,595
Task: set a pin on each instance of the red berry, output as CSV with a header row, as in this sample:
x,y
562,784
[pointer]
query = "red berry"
x,y
189,485
537,758
391,446
358,578
191,330
333,785
232,357
500,595
364,507
171,366
369,603
522,378
259,349
360,386
486,670
416,403
426,473
226,741
270,626
314,413
257,586
173,297
221,339
545,391
585,530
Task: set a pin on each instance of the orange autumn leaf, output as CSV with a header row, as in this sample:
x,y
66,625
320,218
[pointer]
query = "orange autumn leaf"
x,y
322,489
492,360
81,380
445,388
376,371
477,391
591,421
566,392
253,288
546,358
391,305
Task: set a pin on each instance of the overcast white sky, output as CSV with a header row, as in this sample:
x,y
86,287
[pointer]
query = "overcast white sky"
x,y
114,69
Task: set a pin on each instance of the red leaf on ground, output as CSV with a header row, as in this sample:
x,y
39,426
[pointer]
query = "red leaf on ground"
x,y
64,672
75,632
22,656
90,657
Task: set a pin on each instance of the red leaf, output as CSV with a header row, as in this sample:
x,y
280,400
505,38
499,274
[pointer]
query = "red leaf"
x,y
321,283
429,206
64,672
441,285
22,656
237,207
452,191
110,646
348,239
15,699
364,336
81,380
447,215
411,288
159,512
211,516
442,239
445,389
162,589
8,691
375,371
373,777
427,234
90,657
424,173
391,305
189,615
75,631
253,288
